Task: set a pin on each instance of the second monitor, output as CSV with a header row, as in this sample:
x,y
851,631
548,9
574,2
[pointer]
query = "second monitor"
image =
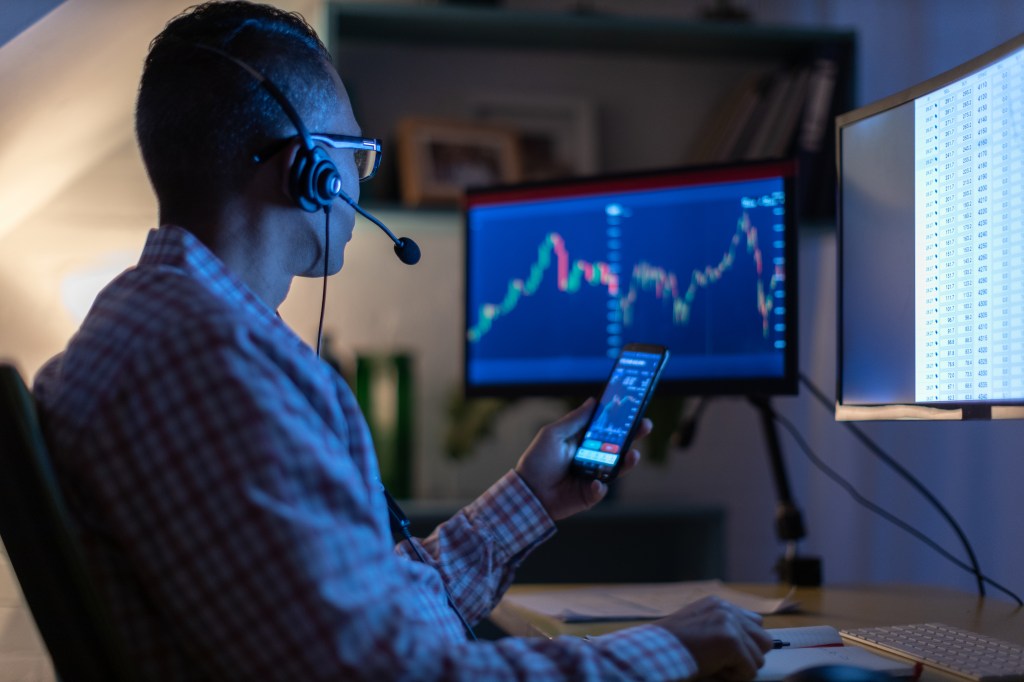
x,y
561,275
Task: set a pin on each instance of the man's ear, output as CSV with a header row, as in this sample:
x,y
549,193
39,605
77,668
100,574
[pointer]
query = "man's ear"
x,y
283,164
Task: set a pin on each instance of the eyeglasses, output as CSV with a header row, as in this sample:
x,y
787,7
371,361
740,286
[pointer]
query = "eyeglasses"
x,y
366,151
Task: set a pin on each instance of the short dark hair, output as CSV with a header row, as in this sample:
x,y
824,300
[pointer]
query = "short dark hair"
x,y
199,117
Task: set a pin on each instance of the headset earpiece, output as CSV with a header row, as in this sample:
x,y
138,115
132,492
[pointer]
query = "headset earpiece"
x,y
313,179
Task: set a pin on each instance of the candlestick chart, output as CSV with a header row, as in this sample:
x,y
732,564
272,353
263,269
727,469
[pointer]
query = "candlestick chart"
x,y
562,288
645,279
613,418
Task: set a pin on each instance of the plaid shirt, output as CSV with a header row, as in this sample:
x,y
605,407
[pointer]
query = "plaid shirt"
x,y
229,500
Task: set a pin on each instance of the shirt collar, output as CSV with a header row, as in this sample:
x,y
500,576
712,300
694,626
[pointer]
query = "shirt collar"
x,y
175,247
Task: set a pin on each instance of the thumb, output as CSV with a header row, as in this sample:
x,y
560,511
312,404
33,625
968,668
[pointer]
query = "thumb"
x,y
571,423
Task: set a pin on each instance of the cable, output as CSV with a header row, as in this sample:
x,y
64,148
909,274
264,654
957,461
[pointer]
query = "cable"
x,y
451,601
852,491
849,488
403,526
323,296
974,568
899,469
400,517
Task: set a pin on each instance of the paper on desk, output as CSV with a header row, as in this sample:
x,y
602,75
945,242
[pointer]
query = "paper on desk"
x,y
639,601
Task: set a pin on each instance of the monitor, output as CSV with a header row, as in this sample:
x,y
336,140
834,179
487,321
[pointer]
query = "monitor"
x,y
931,247
561,275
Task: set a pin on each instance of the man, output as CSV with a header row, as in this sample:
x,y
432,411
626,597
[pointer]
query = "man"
x,y
222,475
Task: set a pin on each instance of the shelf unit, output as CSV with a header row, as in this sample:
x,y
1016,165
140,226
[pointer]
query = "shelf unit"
x,y
655,85
496,28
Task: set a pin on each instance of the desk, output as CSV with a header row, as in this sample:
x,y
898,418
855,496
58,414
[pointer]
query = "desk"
x,y
839,606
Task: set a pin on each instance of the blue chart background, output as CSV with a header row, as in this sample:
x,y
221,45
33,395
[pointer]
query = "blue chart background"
x,y
611,418
554,336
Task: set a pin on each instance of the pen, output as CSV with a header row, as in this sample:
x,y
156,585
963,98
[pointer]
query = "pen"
x,y
778,644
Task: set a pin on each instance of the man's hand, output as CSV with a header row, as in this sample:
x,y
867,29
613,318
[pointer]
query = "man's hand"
x,y
725,640
545,465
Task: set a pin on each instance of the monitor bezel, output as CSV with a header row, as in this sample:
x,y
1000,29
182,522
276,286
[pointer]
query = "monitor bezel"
x,y
786,384
944,410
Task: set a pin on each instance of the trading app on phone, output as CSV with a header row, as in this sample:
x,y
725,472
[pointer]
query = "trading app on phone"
x,y
624,398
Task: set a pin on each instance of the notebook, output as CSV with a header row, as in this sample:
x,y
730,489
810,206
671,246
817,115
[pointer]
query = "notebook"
x,y
821,645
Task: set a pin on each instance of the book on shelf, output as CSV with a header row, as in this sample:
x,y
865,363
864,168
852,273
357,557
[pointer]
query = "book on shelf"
x,y
766,92
758,119
780,130
728,121
816,143
765,125
780,113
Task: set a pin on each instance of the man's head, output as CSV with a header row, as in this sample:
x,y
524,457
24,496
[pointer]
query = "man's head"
x,y
200,117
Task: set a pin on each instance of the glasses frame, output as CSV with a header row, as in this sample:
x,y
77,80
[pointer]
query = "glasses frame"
x,y
332,140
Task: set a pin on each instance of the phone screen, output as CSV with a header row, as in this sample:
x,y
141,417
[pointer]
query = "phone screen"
x,y
611,428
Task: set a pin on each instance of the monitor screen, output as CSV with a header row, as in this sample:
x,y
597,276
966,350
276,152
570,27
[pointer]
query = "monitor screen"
x,y
560,275
931,247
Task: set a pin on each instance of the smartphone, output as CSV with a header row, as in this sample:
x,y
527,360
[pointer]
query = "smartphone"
x,y
612,426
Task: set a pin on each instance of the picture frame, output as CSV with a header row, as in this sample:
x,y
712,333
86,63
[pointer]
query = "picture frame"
x,y
439,159
557,135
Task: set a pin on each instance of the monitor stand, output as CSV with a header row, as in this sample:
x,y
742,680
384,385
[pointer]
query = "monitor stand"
x,y
791,568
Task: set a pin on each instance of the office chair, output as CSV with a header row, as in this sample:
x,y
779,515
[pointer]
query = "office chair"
x,y
44,549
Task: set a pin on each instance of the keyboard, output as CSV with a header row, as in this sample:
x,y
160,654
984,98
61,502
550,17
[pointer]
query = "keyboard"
x,y
947,648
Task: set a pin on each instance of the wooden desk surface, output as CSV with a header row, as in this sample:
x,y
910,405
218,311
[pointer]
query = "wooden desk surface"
x,y
836,605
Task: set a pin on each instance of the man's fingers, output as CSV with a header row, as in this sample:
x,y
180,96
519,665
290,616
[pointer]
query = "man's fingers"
x,y
762,640
644,429
594,492
749,657
629,462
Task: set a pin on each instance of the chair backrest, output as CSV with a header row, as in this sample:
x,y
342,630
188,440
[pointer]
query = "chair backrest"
x,y
44,549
